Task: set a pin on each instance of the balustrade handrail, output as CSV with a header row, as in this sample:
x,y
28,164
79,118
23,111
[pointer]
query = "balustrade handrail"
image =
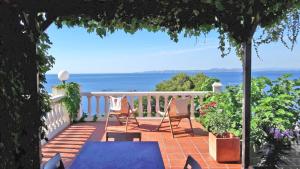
x,y
146,93
57,119
57,98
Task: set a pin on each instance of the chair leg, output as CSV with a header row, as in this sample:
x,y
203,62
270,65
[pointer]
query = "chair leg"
x,y
136,121
126,123
171,127
191,126
106,124
119,120
178,122
161,122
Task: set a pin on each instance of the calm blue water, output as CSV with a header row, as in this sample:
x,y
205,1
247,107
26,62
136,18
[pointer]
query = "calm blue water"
x,y
146,81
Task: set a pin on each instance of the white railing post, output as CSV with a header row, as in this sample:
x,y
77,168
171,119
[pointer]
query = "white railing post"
x,y
79,114
98,105
217,87
131,102
192,106
140,108
106,98
157,108
166,103
89,105
149,106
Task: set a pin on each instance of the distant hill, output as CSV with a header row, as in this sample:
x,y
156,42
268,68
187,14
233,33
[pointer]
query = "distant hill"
x,y
220,70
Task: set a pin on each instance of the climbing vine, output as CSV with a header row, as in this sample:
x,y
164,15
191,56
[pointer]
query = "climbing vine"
x,y
46,62
72,99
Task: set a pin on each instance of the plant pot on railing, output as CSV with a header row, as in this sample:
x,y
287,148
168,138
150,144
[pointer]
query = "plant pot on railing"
x,y
225,148
58,91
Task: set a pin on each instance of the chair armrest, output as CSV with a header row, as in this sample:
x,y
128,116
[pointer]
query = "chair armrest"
x,y
133,110
162,113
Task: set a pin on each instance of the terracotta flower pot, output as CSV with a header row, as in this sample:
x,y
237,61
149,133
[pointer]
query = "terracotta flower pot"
x,y
224,149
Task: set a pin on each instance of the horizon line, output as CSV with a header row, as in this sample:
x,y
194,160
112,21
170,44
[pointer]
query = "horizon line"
x,y
183,71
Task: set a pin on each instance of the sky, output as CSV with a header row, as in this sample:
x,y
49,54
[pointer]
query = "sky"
x,y
77,51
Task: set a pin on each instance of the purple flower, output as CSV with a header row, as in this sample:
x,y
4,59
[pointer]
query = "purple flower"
x,y
271,130
277,134
286,133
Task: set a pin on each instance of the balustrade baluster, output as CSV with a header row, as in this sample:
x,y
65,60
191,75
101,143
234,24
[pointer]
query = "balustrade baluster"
x,y
106,105
140,108
98,105
89,105
131,101
192,106
54,123
166,103
157,108
149,106
60,114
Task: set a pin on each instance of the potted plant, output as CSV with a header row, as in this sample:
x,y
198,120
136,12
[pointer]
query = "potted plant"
x,y
221,116
223,145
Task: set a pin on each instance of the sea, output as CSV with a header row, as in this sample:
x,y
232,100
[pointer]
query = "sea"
x,y
147,81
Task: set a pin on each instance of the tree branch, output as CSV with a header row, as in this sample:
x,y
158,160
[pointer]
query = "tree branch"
x,y
47,22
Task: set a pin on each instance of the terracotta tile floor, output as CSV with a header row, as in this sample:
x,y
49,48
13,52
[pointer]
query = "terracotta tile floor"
x,y
174,151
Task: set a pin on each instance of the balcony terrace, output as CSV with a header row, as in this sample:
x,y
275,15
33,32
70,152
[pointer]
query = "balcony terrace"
x,y
174,151
68,139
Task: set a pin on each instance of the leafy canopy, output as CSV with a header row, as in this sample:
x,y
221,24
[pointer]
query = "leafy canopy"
x,y
236,21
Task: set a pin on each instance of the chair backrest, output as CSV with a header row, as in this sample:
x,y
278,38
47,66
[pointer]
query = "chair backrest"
x,y
115,103
123,136
191,163
119,104
179,106
54,163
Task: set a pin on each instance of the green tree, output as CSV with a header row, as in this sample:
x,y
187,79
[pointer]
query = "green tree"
x,y
184,82
203,82
180,82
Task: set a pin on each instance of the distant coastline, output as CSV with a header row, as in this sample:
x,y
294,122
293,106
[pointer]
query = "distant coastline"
x,y
220,70
214,70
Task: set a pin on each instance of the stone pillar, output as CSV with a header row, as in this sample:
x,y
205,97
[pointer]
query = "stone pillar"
x,y
217,87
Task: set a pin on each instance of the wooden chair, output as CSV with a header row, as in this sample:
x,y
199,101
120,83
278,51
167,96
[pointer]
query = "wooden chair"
x,y
120,108
178,109
54,163
123,136
191,163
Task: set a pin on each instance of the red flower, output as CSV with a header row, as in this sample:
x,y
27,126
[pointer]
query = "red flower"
x,y
207,106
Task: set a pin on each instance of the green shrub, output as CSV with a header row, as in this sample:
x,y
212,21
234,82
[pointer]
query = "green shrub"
x,y
83,117
225,115
72,99
95,118
274,103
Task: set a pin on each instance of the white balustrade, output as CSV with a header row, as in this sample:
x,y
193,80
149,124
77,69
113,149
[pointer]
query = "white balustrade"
x,y
137,97
57,119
